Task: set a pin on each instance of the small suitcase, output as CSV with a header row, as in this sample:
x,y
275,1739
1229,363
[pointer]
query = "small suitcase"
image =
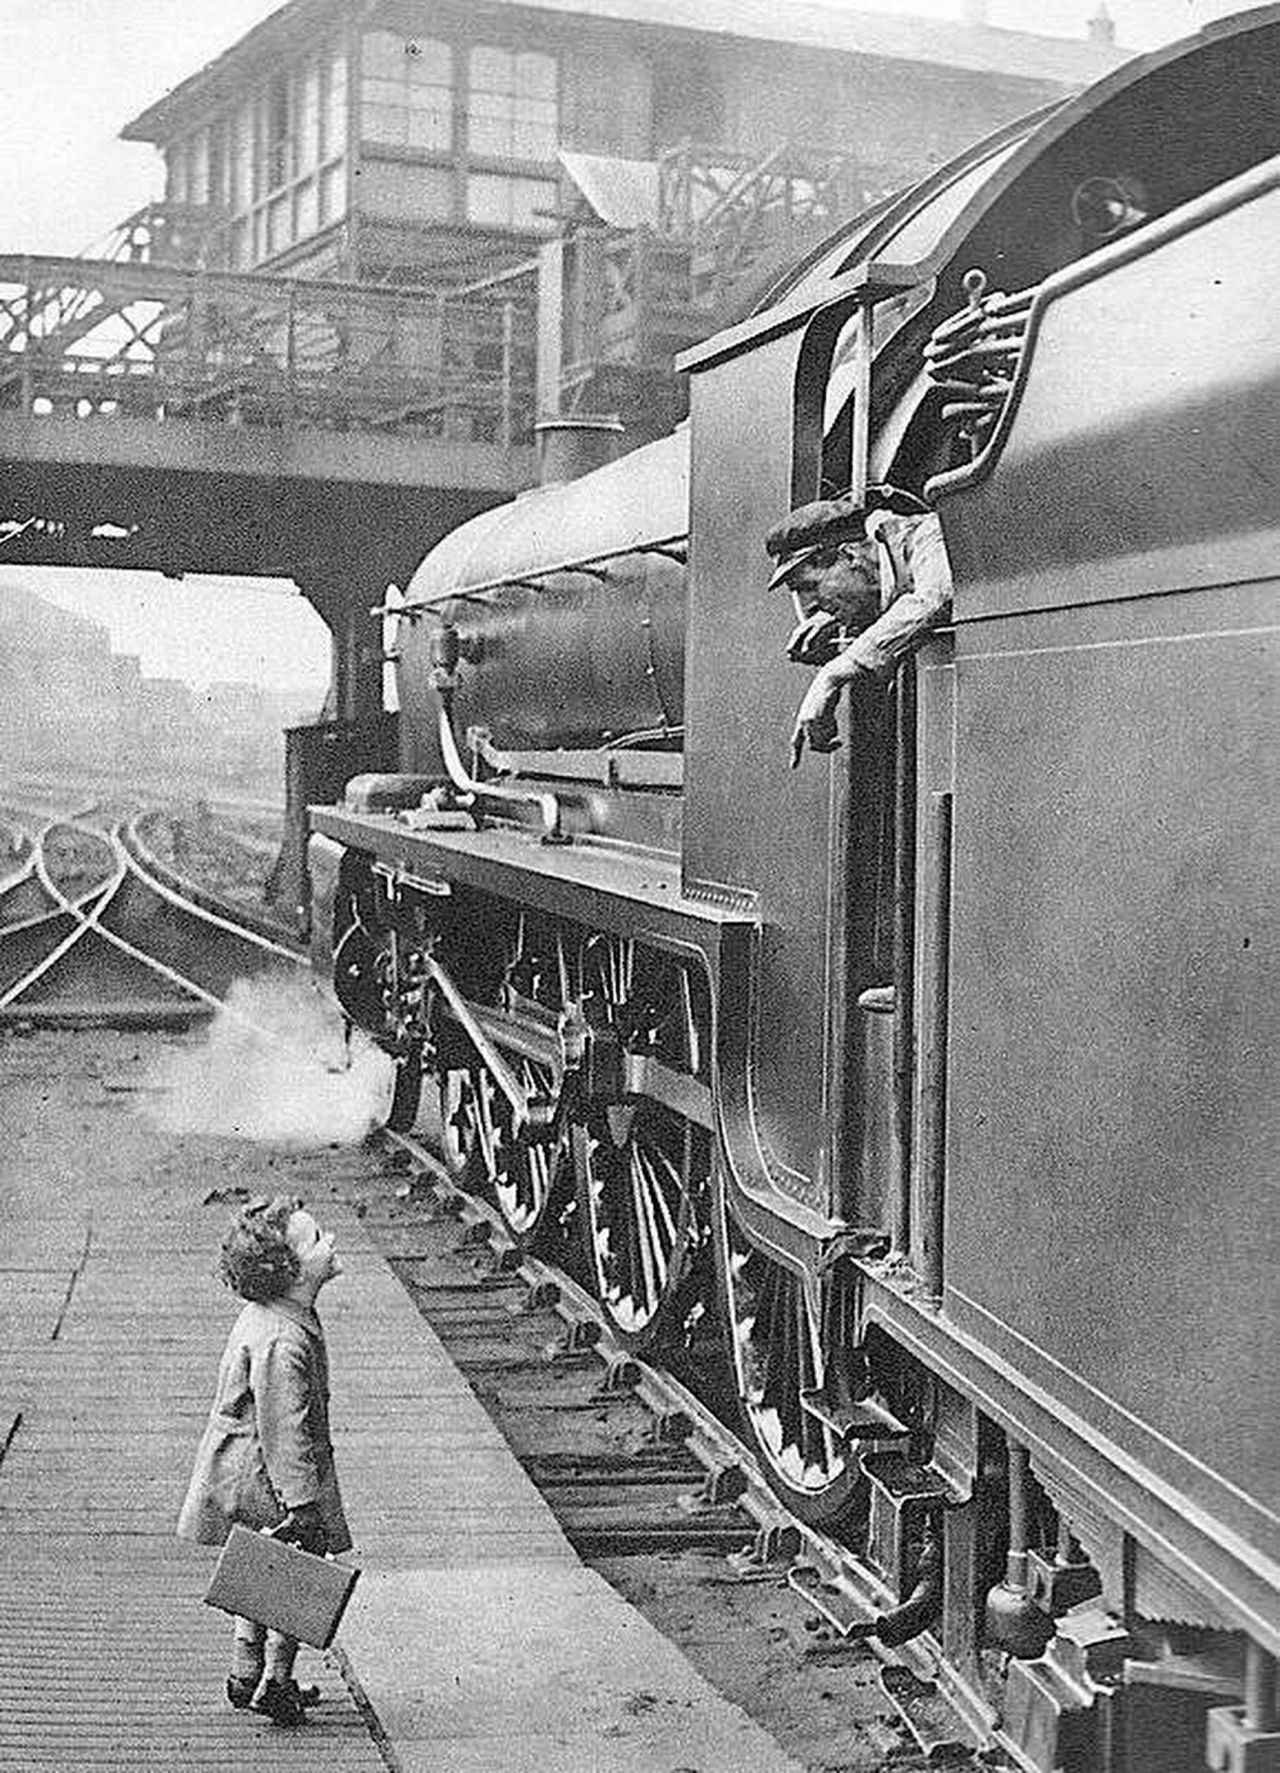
x,y
281,1587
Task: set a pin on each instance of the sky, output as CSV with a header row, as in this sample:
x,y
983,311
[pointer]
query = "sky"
x,y
76,72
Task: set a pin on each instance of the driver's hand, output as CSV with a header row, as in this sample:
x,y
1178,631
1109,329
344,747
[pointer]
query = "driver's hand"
x,y
818,638
816,719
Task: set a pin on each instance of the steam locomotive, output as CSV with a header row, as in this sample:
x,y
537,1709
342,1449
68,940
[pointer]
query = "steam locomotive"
x,y
925,1083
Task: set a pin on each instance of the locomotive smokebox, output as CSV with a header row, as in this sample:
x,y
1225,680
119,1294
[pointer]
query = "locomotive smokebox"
x,y
572,445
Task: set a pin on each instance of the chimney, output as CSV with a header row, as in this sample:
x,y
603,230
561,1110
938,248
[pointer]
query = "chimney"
x,y
574,444
1102,28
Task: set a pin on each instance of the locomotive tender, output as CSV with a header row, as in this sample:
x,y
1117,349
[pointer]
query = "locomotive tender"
x,y
927,1082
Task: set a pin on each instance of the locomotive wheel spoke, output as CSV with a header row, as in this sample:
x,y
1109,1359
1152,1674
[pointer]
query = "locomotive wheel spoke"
x,y
489,1129
517,1167
639,1200
643,1168
778,1355
457,1118
522,1183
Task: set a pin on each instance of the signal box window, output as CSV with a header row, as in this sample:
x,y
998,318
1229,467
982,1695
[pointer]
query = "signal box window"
x,y
279,133
525,206
406,193
512,109
407,91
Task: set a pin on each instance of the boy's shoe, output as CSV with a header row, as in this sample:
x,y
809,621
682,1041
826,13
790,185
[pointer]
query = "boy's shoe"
x,y
241,1689
281,1701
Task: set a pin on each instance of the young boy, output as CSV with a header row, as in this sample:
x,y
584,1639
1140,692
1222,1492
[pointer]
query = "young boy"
x,y
266,1459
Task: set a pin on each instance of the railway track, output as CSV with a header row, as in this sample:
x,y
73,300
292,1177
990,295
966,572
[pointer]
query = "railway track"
x,y
94,930
654,1490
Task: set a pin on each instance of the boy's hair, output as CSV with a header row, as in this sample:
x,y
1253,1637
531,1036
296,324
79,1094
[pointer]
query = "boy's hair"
x,y
256,1260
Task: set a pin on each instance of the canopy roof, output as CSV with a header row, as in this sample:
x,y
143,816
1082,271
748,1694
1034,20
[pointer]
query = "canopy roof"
x,y
976,49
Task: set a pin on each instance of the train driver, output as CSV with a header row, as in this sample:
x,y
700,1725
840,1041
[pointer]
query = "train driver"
x,y
870,579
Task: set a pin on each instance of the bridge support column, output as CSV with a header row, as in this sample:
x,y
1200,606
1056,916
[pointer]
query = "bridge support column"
x,y
357,662
355,639
356,737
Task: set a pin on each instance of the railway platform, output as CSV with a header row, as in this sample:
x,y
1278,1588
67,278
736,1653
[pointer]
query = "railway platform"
x,y
476,1641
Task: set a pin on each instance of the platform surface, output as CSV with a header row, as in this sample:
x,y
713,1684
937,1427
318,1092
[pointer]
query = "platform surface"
x,y
476,1641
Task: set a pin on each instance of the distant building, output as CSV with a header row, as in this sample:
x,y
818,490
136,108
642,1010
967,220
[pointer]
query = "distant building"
x,y
243,726
437,142
56,696
67,699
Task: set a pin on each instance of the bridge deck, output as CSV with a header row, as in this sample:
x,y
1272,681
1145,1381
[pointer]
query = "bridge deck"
x,y
207,422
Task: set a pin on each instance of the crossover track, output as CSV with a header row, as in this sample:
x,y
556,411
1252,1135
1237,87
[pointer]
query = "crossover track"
x,y
123,945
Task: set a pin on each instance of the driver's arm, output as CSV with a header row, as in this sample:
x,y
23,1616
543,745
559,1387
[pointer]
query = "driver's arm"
x,y
918,554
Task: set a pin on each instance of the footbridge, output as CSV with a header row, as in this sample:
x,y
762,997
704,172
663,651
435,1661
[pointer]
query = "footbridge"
x,y
182,421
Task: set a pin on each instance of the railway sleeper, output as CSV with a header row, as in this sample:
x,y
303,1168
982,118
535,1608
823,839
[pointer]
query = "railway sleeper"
x,y
647,1465
598,1540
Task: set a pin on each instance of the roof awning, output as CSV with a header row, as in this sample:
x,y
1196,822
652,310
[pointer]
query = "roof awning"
x,y
623,193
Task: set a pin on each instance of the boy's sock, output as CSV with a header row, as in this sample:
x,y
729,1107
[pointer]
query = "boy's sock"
x,y
246,1663
247,1650
281,1653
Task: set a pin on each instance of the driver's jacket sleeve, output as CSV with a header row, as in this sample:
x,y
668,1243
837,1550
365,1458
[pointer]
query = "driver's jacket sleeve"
x,y
915,590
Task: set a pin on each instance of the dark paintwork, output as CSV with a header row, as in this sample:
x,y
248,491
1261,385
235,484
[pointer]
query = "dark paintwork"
x,y
1110,1219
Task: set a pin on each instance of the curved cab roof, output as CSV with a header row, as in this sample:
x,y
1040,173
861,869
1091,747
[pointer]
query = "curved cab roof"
x,y
1201,110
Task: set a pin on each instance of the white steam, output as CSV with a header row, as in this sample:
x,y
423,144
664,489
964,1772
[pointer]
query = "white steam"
x,y
274,1066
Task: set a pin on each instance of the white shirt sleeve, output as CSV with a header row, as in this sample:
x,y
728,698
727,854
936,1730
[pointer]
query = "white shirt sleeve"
x,y
917,582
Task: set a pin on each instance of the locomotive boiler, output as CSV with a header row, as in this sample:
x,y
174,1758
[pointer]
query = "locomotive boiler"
x,y
922,1088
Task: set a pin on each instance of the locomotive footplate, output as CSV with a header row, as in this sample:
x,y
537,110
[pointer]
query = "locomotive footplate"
x,y
602,886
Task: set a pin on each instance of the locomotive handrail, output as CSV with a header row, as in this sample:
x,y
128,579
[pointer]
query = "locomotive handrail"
x,y
673,547
1148,238
618,764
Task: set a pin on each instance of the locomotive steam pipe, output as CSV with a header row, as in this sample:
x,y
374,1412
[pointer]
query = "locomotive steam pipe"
x,y
1014,1622
548,804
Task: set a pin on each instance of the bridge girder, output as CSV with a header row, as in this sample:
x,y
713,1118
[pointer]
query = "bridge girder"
x,y
343,517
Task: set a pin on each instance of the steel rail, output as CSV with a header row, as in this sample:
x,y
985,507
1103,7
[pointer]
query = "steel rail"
x,y
131,844
86,919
